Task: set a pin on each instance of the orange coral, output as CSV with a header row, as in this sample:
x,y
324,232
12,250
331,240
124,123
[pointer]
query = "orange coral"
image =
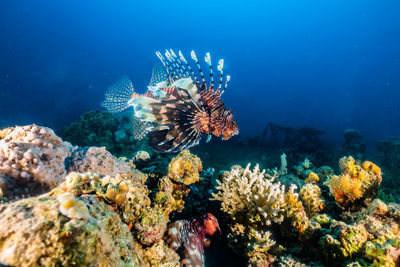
x,y
355,182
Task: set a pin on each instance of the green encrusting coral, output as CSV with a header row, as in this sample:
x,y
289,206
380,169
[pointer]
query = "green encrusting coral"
x,y
101,128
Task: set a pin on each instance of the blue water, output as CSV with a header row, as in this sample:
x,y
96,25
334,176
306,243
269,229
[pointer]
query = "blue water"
x,y
331,65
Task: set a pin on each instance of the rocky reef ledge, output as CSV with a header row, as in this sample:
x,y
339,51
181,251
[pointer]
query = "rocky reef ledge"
x,y
65,205
80,206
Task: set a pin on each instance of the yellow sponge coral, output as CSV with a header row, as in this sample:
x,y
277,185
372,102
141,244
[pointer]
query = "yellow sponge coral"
x,y
72,207
185,168
310,195
355,182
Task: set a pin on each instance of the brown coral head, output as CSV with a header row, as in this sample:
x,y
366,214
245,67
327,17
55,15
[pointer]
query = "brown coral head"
x,y
210,224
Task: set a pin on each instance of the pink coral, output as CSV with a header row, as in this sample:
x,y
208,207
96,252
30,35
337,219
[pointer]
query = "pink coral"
x,y
193,236
32,155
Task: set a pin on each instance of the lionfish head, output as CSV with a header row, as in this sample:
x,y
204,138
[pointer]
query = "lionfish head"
x,y
230,126
223,125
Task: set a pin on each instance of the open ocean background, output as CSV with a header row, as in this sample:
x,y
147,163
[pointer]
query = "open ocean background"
x,y
331,65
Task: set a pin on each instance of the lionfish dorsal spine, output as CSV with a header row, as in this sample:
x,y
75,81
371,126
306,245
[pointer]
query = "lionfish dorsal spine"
x,y
166,64
178,65
203,84
207,59
228,78
220,68
177,70
191,72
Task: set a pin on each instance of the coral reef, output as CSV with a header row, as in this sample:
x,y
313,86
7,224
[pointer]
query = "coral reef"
x,y
100,128
365,236
97,160
356,183
310,196
251,195
31,159
253,201
185,168
35,232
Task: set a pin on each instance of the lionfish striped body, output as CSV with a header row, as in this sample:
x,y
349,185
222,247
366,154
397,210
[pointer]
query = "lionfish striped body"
x,y
178,106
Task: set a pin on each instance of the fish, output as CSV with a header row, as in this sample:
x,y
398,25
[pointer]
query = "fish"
x,y
179,106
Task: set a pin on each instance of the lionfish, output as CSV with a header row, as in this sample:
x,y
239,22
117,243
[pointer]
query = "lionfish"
x,y
179,105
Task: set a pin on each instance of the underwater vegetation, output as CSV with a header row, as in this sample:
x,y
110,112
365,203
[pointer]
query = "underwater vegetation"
x,y
70,205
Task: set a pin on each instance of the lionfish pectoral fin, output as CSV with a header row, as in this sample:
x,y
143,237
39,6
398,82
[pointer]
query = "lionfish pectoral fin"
x,y
173,137
140,128
159,75
188,85
118,96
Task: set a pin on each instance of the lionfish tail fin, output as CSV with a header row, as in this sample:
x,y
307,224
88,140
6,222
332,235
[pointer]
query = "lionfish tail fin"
x,y
118,95
177,124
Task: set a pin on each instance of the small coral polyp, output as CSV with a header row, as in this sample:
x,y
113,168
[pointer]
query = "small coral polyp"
x,y
355,183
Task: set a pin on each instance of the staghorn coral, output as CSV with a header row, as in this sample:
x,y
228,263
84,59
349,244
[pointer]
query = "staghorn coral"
x,y
310,195
356,183
31,157
251,195
185,168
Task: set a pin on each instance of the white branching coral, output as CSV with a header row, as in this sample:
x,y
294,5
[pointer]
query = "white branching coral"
x,y
252,194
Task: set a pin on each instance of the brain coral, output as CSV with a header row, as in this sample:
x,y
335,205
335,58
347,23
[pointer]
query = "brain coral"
x,y
33,154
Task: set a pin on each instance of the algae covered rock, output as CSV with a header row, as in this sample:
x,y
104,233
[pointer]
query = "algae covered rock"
x,y
185,168
97,160
31,160
36,232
